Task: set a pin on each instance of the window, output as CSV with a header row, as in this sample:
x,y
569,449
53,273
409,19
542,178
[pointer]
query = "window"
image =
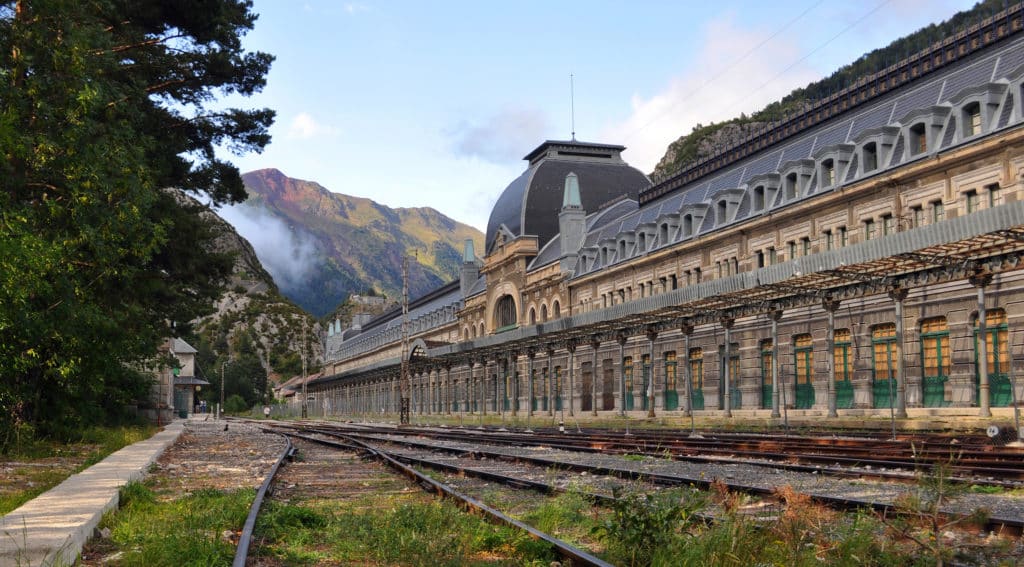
x,y
687,225
888,227
995,341
916,216
841,350
696,275
533,316
758,198
721,211
918,139
841,233
870,154
627,374
760,258
790,250
994,195
718,267
935,351
663,233
735,265
805,245
622,249
883,340
869,229
772,255
556,309
938,211
642,246
829,242
790,184
670,370
828,173
766,372
972,119
675,282
804,354
543,313
971,197
697,368
505,313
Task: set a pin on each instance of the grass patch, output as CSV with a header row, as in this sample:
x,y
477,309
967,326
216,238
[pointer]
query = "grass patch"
x,y
187,531
39,465
406,530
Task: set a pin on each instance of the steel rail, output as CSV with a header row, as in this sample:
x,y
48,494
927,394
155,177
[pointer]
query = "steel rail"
x,y
245,538
574,554
676,480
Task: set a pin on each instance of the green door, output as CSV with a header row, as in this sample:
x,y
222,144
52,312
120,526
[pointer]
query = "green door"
x,y
935,361
766,374
645,377
627,378
671,394
697,378
735,401
557,385
804,365
883,384
996,331
844,369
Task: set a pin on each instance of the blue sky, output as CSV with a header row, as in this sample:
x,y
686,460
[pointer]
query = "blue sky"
x,y
434,103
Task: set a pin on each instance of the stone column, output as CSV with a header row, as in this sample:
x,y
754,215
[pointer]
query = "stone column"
x,y
571,347
594,345
980,279
530,354
551,378
898,295
686,329
727,324
775,316
513,358
621,339
651,336
830,305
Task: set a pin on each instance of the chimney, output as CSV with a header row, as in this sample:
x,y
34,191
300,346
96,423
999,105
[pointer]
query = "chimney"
x,y
470,272
572,223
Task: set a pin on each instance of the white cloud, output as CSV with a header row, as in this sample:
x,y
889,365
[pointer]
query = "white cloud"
x,y
732,73
502,136
354,7
289,255
304,127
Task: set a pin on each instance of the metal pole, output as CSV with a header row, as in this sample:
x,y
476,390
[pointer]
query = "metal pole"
x,y
775,316
594,344
651,336
622,375
529,396
980,280
403,380
727,374
687,330
899,295
830,305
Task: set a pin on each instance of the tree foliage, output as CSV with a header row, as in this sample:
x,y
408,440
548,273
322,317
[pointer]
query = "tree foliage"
x,y
104,106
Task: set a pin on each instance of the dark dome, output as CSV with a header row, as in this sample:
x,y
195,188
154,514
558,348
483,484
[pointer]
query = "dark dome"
x,y
530,204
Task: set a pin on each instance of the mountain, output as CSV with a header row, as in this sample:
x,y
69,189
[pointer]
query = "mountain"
x,y
255,332
705,141
322,246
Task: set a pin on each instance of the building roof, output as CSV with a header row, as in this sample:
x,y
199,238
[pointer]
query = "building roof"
x,y
189,381
530,204
181,347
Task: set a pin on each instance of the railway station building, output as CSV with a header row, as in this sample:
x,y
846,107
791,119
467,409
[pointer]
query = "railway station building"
x,y
860,257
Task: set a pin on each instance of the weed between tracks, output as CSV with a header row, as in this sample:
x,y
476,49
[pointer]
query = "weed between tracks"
x,y
400,529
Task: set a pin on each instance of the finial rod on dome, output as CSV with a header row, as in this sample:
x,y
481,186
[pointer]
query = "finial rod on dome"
x,y
572,107
468,255
571,196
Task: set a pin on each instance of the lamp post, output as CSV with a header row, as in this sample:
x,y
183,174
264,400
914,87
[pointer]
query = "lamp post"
x,y
220,409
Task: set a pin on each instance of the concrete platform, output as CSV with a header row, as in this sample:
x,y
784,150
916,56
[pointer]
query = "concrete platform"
x,y
51,529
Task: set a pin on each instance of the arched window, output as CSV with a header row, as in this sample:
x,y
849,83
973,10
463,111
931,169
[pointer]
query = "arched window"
x,y
556,310
759,198
505,312
481,331
543,313
790,184
533,316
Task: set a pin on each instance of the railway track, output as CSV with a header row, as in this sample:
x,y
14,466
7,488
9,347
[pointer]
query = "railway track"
x,y
571,554
839,487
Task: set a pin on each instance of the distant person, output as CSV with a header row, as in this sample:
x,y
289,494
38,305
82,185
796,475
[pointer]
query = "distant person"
x,y
202,406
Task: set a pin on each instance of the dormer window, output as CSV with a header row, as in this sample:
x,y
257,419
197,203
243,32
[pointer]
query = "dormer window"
x,y
972,119
870,156
759,198
622,249
643,241
720,212
604,255
828,173
790,184
687,225
918,139
663,233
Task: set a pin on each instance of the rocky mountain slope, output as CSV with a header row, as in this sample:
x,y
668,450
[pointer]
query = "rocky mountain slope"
x,y
252,319
329,245
705,141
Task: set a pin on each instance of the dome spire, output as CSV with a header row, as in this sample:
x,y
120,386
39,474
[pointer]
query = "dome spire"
x,y
571,195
